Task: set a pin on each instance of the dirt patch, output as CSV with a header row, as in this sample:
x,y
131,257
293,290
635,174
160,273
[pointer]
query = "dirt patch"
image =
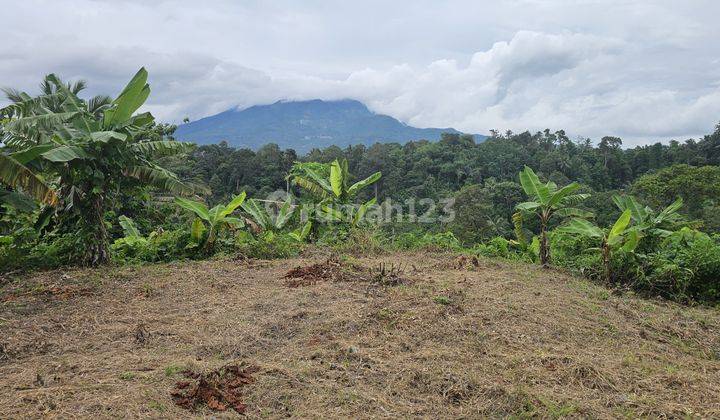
x,y
218,390
331,269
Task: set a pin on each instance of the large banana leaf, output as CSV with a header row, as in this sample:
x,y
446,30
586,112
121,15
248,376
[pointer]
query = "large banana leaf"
x,y
162,147
25,156
669,213
196,207
162,179
364,183
620,225
562,193
582,227
533,187
259,215
236,202
196,230
528,206
573,212
65,154
285,213
637,212
16,175
129,228
362,210
107,136
336,178
129,100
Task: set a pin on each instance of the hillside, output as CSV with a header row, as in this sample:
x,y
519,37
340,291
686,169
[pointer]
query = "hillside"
x,y
304,125
446,338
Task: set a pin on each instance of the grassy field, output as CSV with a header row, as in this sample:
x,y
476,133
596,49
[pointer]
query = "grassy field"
x,y
442,337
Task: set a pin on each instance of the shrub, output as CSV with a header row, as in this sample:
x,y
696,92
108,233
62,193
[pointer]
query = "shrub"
x,y
268,245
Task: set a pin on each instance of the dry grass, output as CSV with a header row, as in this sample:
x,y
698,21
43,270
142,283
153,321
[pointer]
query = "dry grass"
x,y
490,339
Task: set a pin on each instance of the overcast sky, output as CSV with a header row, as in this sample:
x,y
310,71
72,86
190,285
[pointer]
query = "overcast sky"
x,y
641,70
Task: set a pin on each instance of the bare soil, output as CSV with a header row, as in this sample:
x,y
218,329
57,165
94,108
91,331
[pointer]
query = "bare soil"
x,y
394,336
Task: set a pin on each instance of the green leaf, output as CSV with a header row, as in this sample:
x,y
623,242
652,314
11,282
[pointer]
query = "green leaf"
x,y
362,210
65,154
573,212
582,227
107,136
631,241
129,228
196,230
233,204
162,147
162,179
258,214
354,188
129,100
336,178
533,187
196,207
563,192
528,206
25,156
620,225
285,213
16,175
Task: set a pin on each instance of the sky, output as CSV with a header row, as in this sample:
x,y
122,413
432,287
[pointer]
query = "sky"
x,y
644,71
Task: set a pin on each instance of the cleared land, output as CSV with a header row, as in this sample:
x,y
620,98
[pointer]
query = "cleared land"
x,y
444,338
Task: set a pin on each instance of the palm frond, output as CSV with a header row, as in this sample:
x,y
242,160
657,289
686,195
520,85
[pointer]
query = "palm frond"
x,y
160,178
17,175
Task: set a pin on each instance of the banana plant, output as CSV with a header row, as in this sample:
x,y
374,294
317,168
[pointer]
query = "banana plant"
x,y
333,183
215,218
330,184
618,237
78,156
301,234
647,220
265,220
548,201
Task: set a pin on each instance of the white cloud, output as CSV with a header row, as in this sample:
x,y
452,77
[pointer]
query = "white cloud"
x,y
642,70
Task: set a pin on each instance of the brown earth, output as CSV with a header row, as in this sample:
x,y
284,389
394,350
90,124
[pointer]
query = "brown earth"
x,y
431,336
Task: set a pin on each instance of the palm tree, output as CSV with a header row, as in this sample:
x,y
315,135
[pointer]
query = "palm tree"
x,y
77,155
548,201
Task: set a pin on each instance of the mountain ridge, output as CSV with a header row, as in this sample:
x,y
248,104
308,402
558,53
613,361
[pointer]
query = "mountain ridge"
x,y
304,125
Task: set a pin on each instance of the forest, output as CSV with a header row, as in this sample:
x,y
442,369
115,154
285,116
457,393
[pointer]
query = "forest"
x,y
91,181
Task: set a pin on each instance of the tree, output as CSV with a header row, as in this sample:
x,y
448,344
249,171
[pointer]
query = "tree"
x,y
216,218
617,237
90,152
548,201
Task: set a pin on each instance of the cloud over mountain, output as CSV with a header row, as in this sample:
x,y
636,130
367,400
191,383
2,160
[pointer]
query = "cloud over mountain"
x,y
640,70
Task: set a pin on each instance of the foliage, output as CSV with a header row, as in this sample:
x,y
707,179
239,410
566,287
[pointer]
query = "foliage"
x,y
80,155
216,218
548,201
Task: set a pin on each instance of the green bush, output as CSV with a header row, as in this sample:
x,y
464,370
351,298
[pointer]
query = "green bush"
x,y
268,245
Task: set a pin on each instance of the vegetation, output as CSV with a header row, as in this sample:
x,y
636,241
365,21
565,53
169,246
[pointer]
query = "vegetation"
x,y
81,174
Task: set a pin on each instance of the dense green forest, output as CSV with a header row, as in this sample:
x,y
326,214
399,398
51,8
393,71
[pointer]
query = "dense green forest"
x,y
89,181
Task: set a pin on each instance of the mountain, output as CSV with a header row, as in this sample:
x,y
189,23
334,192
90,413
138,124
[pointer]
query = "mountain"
x,y
303,125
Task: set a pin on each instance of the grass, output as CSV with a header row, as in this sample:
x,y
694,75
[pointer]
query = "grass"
x,y
497,340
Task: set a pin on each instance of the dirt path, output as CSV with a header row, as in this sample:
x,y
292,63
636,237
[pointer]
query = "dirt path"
x,y
496,339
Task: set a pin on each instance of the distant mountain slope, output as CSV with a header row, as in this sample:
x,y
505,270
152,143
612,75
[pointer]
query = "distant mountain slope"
x,y
303,125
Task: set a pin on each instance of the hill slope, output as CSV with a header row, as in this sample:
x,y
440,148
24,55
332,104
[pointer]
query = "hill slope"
x,y
303,125
491,339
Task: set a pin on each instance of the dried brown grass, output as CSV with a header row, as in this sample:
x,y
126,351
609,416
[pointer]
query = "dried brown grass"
x,y
490,339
